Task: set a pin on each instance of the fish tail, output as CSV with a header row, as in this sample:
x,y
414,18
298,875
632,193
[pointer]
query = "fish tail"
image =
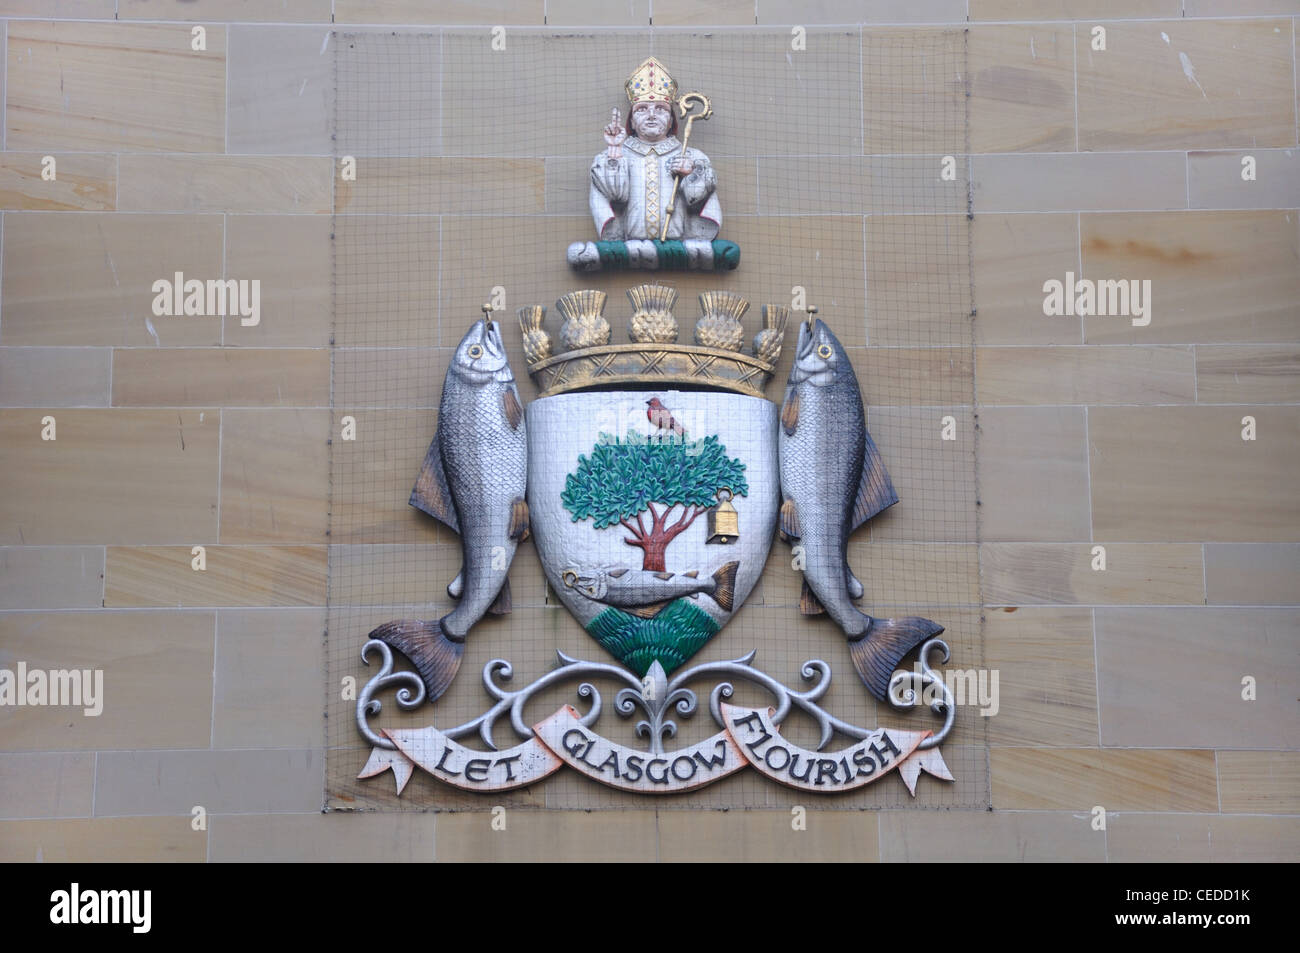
x,y
434,655
724,594
879,650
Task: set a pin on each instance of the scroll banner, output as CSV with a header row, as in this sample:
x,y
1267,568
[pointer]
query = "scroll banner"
x,y
461,767
630,770
826,772
750,737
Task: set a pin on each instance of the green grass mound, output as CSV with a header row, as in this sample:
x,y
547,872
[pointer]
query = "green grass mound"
x,y
672,637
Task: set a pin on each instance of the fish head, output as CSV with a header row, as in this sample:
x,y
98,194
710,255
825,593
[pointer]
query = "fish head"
x,y
819,358
590,583
481,355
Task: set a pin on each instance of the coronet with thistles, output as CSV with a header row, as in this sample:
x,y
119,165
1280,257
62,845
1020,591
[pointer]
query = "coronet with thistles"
x,y
716,362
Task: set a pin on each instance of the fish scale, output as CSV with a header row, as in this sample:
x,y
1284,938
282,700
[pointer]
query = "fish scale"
x,y
486,466
474,480
818,461
833,480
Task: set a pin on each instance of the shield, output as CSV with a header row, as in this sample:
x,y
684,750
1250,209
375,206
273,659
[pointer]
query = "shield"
x,y
653,512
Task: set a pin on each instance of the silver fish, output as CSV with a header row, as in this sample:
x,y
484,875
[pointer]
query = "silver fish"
x,y
833,481
642,592
473,480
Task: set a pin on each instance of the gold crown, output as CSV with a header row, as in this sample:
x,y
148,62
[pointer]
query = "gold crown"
x,y
652,359
651,83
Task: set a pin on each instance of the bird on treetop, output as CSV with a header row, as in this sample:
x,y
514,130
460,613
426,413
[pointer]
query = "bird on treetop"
x,y
661,417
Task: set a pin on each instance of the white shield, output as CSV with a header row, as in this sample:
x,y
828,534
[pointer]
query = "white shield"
x,y
628,503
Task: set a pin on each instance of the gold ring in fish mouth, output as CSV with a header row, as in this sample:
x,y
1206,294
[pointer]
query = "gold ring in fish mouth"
x,y
569,577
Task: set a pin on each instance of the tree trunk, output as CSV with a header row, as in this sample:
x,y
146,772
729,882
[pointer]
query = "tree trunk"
x,y
652,558
653,543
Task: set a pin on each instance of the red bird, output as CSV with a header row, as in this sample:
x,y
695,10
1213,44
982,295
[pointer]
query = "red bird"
x,y
662,417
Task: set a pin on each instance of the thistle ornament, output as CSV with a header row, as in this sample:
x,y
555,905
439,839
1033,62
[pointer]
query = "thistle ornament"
x,y
720,325
767,342
652,318
584,326
537,343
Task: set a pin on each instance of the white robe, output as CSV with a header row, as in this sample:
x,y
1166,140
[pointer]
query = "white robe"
x,y
629,195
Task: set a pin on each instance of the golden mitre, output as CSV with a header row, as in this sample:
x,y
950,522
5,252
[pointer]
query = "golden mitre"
x,y
650,83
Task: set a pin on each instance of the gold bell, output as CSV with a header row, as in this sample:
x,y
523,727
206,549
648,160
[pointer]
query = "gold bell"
x,y
724,521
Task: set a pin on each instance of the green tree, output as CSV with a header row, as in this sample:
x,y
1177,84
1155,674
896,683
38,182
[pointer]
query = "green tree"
x,y
623,479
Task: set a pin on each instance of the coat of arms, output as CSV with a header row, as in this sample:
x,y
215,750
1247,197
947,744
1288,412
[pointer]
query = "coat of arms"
x,y
654,477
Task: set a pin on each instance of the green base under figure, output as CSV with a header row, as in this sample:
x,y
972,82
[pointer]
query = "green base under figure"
x,y
641,255
673,636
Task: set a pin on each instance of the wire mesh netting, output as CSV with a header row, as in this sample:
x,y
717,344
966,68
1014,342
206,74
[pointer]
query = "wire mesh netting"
x,y
841,166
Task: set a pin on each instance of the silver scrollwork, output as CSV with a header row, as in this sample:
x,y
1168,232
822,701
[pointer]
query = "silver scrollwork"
x,y
903,692
655,695
657,698
410,691
507,702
